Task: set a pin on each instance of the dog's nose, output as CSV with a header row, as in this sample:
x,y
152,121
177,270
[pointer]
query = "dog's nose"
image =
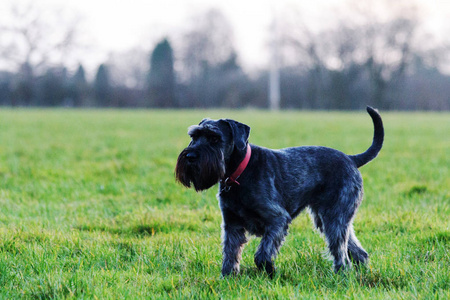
x,y
192,156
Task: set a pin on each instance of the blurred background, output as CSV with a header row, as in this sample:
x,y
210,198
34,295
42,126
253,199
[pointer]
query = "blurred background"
x,y
323,54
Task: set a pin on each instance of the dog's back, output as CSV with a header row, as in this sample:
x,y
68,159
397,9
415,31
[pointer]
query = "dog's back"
x,y
301,176
310,175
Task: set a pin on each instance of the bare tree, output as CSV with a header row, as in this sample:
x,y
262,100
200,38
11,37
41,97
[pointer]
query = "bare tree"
x,y
128,68
389,51
32,39
34,36
371,44
208,42
305,49
207,53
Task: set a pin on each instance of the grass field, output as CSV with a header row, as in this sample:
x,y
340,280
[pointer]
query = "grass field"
x,y
89,208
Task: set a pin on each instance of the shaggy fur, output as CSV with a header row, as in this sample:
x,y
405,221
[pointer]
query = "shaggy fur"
x,y
275,187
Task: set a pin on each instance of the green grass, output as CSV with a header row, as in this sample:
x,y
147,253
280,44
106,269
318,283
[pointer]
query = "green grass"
x,y
89,208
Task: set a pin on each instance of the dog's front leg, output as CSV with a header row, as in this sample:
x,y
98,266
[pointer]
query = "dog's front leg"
x,y
269,246
233,242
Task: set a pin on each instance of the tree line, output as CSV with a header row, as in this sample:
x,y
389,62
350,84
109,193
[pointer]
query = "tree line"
x,y
347,66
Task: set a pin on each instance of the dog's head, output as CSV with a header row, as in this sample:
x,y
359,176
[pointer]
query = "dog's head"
x,y
214,146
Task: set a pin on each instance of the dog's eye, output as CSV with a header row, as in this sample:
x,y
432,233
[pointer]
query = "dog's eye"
x,y
214,139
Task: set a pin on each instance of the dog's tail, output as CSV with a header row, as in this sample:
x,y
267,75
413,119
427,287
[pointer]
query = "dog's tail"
x,y
378,137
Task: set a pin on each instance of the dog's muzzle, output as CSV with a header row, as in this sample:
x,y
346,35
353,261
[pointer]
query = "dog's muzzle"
x,y
202,167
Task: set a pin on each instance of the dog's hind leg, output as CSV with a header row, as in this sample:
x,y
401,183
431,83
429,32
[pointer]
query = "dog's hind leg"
x,y
355,251
337,221
337,238
337,226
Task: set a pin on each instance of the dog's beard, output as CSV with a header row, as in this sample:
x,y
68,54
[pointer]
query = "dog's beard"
x,y
203,173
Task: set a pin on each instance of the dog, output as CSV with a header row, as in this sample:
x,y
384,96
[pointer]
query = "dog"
x,y
262,190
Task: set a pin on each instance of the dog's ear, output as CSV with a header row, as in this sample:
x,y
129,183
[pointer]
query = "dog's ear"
x,y
240,133
204,120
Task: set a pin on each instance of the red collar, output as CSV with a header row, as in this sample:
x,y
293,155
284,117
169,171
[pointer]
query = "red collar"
x,y
233,177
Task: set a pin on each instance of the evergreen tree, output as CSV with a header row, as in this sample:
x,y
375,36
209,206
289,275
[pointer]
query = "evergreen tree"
x,y
161,78
79,88
102,87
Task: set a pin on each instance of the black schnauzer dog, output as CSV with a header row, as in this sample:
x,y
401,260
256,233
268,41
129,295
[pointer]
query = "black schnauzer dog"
x,y
261,190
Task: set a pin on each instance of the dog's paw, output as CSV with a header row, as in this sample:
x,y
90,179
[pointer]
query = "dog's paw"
x,y
227,271
267,266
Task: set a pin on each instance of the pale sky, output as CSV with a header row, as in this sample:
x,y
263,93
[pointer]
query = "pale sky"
x,y
118,25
